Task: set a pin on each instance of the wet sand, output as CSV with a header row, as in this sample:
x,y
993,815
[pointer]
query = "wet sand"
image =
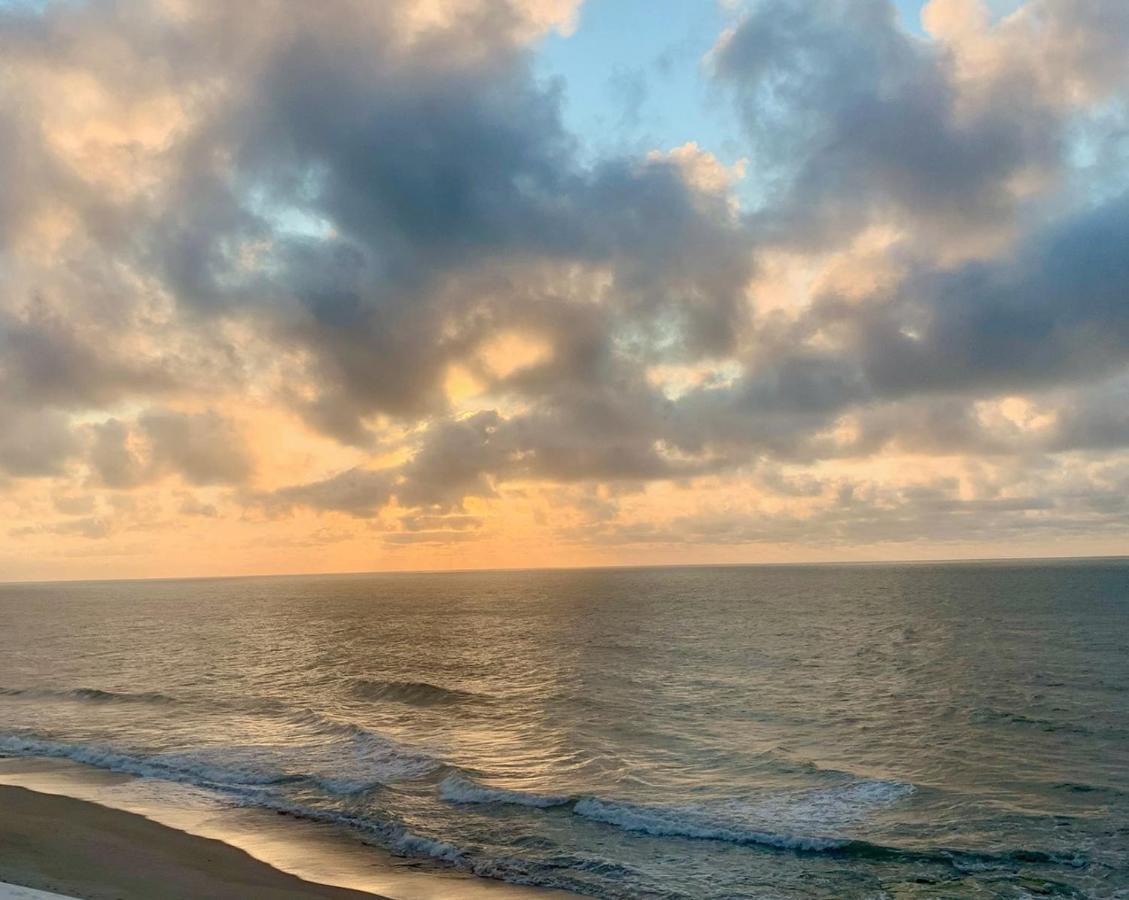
x,y
80,849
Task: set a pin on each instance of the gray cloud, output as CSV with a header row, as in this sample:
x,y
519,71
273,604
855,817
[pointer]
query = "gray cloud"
x,y
204,448
91,527
373,208
357,492
862,514
34,443
112,460
859,121
44,360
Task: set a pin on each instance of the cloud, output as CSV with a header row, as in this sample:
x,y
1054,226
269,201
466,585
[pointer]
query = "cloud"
x,y
1051,313
929,513
440,523
46,361
34,443
112,459
357,492
860,121
202,448
336,213
439,536
89,527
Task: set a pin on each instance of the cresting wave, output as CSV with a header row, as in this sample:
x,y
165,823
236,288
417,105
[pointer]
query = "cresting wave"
x,y
388,759
692,823
817,811
93,695
459,789
412,693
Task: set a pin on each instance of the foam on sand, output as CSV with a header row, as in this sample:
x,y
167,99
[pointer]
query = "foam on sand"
x,y
18,892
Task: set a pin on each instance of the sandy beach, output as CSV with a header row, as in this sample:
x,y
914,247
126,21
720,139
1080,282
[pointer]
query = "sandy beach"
x,y
316,859
80,849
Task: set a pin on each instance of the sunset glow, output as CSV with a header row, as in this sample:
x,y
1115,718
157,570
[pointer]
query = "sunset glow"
x,y
296,287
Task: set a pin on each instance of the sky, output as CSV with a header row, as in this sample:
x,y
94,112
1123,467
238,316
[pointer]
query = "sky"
x,y
294,287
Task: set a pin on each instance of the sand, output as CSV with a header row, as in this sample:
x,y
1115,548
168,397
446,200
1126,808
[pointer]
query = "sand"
x,y
17,892
80,849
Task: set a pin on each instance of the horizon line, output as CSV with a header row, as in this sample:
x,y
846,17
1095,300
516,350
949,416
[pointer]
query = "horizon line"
x,y
593,568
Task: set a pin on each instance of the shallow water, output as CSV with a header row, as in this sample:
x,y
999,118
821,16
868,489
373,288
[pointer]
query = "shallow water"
x,y
861,731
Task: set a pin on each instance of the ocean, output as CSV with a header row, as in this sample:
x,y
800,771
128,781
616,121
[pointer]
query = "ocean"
x,y
871,731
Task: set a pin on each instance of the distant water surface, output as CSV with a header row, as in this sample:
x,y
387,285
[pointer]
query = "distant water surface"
x,y
861,731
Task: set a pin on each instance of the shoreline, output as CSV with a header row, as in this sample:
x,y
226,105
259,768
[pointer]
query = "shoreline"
x,y
81,849
311,859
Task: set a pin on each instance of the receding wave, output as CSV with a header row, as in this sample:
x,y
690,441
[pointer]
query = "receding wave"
x,y
412,693
459,789
93,695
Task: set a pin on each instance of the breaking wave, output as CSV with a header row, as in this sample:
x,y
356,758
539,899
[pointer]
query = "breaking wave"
x,y
459,789
812,817
810,820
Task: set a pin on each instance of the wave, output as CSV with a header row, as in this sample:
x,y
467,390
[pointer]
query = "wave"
x,y
369,760
810,816
553,871
671,823
811,820
412,693
559,871
692,824
832,808
409,844
384,759
986,715
459,789
93,695
256,781
202,770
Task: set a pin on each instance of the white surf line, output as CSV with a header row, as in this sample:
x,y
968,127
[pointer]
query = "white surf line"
x,y
18,892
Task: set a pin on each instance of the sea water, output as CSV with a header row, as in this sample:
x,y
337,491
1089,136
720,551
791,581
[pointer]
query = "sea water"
x,y
942,730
